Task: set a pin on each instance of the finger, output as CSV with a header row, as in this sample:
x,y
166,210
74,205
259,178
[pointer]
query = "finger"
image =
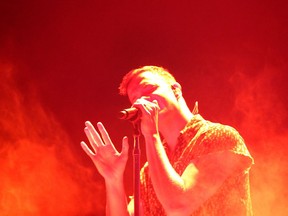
x,y
104,134
87,149
148,105
156,103
125,145
141,104
95,137
90,138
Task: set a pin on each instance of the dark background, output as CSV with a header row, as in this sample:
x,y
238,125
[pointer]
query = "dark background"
x,y
61,63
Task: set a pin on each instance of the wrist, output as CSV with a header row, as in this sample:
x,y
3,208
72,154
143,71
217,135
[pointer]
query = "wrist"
x,y
114,181
115,187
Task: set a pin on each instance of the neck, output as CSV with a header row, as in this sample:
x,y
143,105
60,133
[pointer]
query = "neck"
x,y
172,125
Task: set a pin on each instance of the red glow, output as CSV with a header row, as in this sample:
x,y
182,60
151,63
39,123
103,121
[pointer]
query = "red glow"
x,y
263,126
39,174
74,53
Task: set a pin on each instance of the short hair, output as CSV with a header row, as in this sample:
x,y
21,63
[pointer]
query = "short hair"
x,y
162,72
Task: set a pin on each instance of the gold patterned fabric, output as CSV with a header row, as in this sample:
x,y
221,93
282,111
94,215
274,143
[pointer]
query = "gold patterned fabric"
x,y
197,139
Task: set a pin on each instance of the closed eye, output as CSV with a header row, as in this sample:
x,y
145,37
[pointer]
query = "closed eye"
x,y
146,90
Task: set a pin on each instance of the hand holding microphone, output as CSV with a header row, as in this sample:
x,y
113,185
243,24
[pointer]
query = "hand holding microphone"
x,y
133,113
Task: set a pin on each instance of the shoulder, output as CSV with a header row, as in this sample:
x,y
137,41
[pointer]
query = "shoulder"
x,y
221,132
199,126
220,137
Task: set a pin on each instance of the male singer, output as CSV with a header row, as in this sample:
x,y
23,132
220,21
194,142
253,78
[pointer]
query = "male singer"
x,y
194,166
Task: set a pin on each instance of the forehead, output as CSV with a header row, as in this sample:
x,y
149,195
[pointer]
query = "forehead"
x,y
138,83
143,79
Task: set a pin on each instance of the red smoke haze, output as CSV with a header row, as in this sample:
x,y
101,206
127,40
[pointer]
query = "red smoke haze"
x,y
261,116
39,175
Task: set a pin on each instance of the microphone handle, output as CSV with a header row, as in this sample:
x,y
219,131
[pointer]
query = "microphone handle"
x,y
129,114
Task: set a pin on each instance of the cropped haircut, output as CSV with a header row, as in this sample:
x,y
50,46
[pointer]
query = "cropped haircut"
x,y
163,73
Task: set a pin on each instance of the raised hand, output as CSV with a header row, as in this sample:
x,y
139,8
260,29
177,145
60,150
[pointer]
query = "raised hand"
x,y
109,162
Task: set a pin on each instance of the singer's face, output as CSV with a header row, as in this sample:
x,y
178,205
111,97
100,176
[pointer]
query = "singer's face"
x,y
152,87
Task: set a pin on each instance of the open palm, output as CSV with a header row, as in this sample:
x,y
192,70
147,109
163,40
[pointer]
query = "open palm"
x,y
109,162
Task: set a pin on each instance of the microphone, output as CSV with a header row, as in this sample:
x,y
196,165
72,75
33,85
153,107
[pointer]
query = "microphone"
x,y
129,114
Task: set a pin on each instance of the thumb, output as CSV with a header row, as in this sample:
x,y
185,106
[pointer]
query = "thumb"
x,y
125,145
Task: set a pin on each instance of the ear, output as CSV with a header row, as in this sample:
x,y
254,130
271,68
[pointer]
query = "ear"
x,y
176,87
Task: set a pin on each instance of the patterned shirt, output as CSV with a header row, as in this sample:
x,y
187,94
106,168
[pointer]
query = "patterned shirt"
x,y
199,138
